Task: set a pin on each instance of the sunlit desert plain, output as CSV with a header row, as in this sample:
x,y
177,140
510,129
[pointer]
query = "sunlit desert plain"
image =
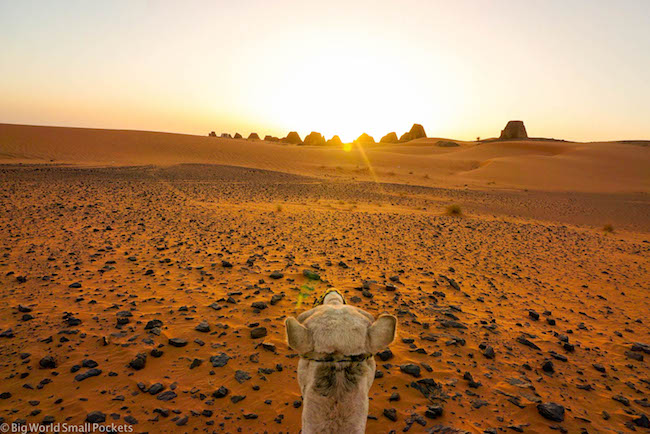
x,y
145,278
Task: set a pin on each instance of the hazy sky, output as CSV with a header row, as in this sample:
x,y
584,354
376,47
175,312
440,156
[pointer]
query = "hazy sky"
x,y
570,69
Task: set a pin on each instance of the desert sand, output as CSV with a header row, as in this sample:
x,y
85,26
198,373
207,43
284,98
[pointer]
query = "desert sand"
x,y
190,251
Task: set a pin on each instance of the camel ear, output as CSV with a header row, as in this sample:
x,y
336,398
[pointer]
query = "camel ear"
x,y
298,336
382,332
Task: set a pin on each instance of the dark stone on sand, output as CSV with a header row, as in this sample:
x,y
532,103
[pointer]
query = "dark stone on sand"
x,y
95,417
219,360
138,362
89,373
391,414
202,327
258,332
153,323
221,392
551,411
434,411
47,362
177,342
167,396
410,369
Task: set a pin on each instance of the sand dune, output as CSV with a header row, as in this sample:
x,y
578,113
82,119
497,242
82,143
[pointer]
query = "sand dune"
x,y
529,164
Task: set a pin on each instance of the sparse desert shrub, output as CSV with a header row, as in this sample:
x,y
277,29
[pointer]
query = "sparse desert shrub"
x,y
454,210
279,208
608,228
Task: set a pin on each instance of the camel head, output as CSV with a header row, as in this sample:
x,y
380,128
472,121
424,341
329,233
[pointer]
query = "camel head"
x,y
337,343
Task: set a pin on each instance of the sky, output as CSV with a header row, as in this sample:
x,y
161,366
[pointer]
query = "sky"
x,y
576,69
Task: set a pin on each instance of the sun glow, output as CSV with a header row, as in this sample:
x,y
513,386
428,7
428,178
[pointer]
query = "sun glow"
x,y
348,88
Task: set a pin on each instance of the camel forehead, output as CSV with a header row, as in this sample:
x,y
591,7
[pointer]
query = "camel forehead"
x,y
338,313
338,328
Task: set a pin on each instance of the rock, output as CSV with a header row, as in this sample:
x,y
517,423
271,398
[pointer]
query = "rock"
x,y
514,130
153,324
470,380
391,414
385,355
89,373
427,387
410,369
335,141
75,285
195,363
449,323
314,138
258,332
260,305
293,138
138,362
47,362
533,315
221,392
9,333
202,327
488,352
275,299
522,340
253,136
95,417
155,352
182,421
394,397
365,139
634,356
226,264
24,309
551,411
220,360
642,421
389,138
72,321
434,411
130,420
310,274
177,342
598,367
547,366
276,275
167,396
242,376
5,395
156,388
639,347
622,399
